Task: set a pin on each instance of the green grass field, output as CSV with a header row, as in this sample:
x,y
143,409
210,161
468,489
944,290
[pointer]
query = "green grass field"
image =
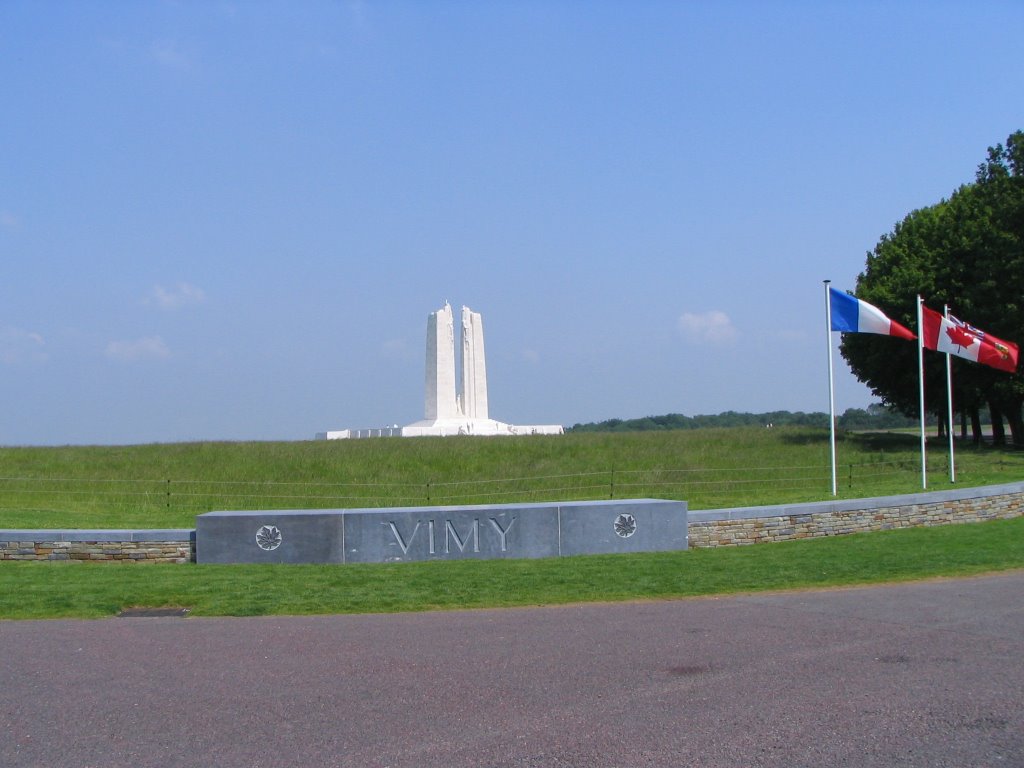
x,y
48,590
156,486
151,486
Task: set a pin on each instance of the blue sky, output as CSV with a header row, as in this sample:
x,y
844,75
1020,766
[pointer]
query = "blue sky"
x,y
230,220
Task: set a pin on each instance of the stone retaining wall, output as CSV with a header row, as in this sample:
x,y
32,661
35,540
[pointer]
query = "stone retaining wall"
x,y
143,546
711,528
755,525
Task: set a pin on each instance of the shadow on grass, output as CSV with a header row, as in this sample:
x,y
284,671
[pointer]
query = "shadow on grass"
x,y
884,441
810,437
893,441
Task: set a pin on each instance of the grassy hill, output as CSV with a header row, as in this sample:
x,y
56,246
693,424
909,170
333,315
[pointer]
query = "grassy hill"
x,y
166,485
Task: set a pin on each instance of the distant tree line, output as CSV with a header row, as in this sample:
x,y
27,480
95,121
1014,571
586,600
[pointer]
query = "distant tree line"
x,y
875,416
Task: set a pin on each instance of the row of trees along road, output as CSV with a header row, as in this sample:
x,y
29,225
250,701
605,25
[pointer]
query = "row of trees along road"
x,y
967,252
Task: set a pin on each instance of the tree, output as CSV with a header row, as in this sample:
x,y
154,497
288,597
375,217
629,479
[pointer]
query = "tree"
x,y
967,252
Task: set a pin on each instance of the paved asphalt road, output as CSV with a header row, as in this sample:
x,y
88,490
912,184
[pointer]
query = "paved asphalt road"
x,y
927,674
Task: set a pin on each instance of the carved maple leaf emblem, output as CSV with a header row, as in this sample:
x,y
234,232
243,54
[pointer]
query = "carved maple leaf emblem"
x,y
960,336
268,537
625,525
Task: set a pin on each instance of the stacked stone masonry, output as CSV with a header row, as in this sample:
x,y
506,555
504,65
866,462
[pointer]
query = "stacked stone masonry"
x,y
755,525
131,547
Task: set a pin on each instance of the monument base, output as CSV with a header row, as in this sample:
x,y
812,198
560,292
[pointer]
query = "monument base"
x,y
446,428
489,427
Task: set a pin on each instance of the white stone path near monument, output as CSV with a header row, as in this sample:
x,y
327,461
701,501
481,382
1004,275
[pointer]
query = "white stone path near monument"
x,y
447,412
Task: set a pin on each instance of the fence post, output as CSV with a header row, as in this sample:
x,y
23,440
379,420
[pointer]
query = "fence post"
x,y
611,486
851,475
428,493
168,493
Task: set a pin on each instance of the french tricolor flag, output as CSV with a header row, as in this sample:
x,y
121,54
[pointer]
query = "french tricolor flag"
x,y
851,315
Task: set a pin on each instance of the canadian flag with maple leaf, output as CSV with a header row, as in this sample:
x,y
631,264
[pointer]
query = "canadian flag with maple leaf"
x,y
947,334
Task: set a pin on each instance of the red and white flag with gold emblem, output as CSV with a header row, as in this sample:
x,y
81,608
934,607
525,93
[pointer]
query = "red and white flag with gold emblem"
x,y
947,334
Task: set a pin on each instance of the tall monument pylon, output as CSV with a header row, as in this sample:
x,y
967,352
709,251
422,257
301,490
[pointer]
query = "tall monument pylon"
x,y
474,366
441,402
448,411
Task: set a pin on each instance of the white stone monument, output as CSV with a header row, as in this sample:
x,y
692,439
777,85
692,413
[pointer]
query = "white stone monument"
x,y
447,412
474,367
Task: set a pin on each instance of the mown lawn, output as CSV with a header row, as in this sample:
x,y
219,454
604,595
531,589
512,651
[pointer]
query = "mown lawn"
x,y
167,485
50,590
156,486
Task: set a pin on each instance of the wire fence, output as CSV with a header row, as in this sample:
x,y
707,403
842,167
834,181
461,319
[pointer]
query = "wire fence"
x,y
702,488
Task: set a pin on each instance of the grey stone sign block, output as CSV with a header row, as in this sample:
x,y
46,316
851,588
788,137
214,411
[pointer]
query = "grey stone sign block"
x,y
278,536
608,527
451,533
484,531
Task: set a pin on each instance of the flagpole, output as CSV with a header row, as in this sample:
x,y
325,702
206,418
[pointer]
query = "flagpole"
x,y
831,386
920,378
949,405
